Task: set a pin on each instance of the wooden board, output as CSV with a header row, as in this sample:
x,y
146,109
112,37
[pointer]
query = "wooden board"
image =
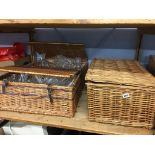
x,y
76,23
79,122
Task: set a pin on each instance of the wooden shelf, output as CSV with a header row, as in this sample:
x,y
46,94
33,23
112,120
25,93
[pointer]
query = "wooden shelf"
x,y
32,23
79,122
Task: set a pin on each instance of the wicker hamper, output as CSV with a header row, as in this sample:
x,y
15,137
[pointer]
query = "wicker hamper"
x,y
120,92
41,98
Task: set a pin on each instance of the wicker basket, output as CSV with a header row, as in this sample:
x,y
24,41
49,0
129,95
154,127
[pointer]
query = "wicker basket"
x,y
120,92
35,98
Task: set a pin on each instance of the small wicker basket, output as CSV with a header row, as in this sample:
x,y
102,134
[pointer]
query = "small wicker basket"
x,y
120,92
35,98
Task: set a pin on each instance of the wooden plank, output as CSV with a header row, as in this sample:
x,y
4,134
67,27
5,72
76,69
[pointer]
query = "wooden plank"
x,y
79,122
77,22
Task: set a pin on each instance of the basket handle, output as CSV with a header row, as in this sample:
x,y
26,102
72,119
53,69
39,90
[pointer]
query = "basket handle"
x,y
4,85
49,92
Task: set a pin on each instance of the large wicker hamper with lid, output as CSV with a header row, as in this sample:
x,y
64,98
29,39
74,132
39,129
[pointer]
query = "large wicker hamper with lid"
x,y
120,92
41,98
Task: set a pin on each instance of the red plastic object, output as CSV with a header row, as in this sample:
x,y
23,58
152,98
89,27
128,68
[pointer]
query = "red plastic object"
x,y
12,53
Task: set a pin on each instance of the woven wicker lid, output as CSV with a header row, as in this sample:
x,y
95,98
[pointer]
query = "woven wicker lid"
x,y
65,49
39,71
126,72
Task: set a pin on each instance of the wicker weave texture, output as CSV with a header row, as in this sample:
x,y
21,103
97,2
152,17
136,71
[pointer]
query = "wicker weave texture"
x,y
126,72
38,105
35,98
54,49
113,98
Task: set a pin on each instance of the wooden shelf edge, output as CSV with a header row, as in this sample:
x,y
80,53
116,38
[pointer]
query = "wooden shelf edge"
x,y
76,22
79,122
74,124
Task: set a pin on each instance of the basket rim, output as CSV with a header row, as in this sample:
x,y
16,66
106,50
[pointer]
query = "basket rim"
x,y
101,84
44,86
40,71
